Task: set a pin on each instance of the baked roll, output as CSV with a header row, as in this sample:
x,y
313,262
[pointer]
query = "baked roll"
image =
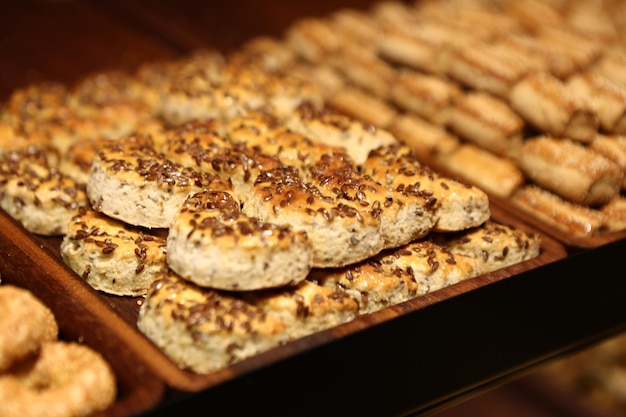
x,y
571,170
203,330
614,214
547,104
605,97
427,96
397,275
565,216
331,128
488,122
36,194
488,67
427,140
612,147
496,175
491,245
358,104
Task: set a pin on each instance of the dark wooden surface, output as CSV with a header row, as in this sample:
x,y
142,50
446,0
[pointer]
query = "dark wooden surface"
x,y
426,358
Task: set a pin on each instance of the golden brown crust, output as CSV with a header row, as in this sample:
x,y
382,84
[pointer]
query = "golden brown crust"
x,y
397,275
546,103
428,141
331,128
492,245
36,194
605,97
427,96
306,308
488,122
495,175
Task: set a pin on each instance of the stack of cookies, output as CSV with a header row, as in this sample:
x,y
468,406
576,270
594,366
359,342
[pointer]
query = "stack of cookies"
x,y
242,202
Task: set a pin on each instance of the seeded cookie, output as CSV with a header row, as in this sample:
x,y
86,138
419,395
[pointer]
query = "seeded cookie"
x,y
132,182
307,308
330,169
457,206
36,194
203,329
113,256
213,244
398,275
493,245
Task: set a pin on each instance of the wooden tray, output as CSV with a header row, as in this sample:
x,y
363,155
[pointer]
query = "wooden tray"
x,y
146,376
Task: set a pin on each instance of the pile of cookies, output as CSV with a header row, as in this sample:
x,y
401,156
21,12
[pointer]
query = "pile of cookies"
x,y
526,99
244,209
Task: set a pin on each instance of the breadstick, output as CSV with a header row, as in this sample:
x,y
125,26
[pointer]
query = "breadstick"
x,y
612,65
573,219
364,69
614,214
555,61
582,49
417,42
571,170
428,141
427,96
488,122
488,67
546,103
605,97
356,24
496,175
362,106
313,38
612,147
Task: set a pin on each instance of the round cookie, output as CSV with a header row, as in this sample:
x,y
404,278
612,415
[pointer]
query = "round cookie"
x,y
203,329
36,194
112,256
457,206
213,244
132,182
